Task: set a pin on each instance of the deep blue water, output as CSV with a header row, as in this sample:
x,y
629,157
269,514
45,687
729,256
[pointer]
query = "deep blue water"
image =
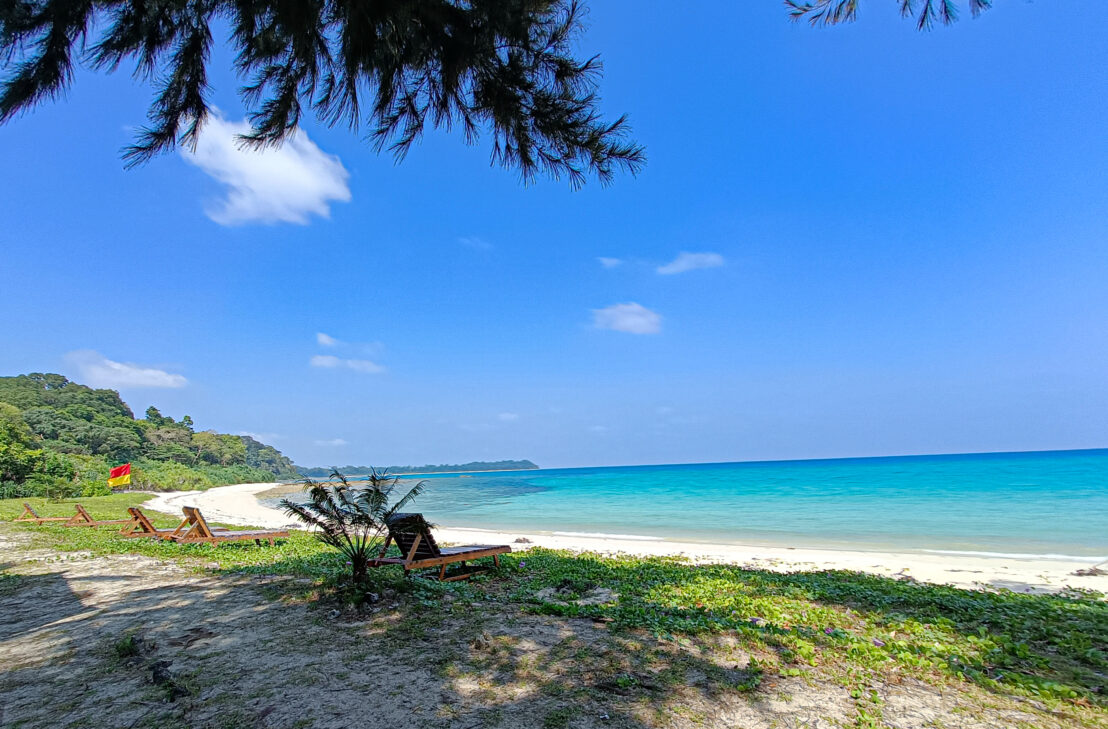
x,y
1043,503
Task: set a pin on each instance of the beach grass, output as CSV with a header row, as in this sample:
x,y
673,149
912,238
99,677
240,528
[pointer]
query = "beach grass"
x,y
857,630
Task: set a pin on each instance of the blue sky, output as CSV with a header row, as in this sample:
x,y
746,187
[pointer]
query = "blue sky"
x,y
901,239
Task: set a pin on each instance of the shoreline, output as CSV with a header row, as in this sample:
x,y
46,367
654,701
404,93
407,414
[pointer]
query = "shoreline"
x,y
238,505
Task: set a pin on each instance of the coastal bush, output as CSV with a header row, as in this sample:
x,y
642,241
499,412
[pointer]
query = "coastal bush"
x,y
351,520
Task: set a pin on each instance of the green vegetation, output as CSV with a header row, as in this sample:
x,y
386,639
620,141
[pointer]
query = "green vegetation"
x,y
352,521
302,555
853,629
59,438
320,472
1046,646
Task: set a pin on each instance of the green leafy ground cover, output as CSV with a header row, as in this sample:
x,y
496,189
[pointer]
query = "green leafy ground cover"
x,y
853,628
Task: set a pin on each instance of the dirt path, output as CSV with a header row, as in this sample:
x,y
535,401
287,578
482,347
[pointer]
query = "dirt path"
x,y
214,651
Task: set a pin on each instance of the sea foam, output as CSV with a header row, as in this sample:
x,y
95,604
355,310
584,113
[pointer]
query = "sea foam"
x,y
1019,555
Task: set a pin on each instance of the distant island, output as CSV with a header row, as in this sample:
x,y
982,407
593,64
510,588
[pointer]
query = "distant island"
x,y
320,472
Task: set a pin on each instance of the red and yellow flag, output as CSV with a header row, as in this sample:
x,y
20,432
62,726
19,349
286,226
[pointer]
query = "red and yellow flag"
x,y
120,475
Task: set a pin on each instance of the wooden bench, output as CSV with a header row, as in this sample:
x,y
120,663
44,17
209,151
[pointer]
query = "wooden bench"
x,y
199,532
412,535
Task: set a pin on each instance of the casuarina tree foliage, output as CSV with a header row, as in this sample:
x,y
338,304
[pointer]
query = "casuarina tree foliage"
x,y
924,12
352,520
503,67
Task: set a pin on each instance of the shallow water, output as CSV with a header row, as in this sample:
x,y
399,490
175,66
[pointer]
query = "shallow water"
x,y
1046,504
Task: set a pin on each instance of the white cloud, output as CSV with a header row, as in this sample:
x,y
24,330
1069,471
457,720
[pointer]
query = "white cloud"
x,y
508,417
609,262
260,437
630,317
286,184
325,340
372,348
333,442
364,365
97,370
329,361
475,243
686,261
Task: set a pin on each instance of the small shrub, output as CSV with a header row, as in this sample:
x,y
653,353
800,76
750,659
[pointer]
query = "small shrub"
x,y
351,520
126,647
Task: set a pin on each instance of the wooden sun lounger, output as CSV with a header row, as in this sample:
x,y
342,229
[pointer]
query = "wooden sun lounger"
x,y
139,525
200,533
31,515
83,518
412,534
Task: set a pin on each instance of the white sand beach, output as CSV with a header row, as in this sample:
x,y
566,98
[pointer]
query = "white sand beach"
x,y
238,505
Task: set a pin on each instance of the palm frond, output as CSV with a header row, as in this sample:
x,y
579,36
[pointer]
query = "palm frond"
x,y
352,520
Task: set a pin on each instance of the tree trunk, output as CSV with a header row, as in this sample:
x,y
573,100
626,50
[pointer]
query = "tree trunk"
x,y
360,568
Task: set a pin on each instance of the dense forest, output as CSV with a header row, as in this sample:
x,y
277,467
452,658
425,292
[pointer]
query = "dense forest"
x,y
59,438
455,468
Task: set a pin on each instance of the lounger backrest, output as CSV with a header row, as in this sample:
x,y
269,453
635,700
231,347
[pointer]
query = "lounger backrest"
x,y
197,521
403,528
83,514
30,511
143,521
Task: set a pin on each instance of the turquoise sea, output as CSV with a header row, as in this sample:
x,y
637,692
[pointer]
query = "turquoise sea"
x,y
1047,504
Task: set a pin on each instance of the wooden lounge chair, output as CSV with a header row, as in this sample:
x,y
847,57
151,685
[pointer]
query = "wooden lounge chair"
x,y
199,532
31,515
412,534
139,525
83,518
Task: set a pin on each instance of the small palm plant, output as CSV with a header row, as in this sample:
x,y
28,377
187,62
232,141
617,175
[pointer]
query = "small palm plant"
x,y
352,520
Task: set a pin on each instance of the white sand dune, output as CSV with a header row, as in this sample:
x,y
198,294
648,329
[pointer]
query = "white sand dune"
x,y
238,505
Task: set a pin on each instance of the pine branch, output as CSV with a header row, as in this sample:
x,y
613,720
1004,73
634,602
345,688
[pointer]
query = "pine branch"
x,y
835,12
502,67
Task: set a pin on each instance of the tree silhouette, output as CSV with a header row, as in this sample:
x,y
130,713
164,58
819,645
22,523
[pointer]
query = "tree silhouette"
x,y
394,66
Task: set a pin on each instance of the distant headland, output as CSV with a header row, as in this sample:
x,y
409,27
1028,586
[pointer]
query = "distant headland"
x,y
319,471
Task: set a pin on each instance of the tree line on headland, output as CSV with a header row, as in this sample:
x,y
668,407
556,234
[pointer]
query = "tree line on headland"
x,y
60,438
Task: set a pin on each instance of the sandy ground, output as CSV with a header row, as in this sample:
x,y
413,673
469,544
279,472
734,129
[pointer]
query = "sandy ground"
x,y
238,505
215,651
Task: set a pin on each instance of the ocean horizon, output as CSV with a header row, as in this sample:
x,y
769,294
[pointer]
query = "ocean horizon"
x,y
1032,504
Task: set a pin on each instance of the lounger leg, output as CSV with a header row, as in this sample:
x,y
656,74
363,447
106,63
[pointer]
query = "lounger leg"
x,y
496,560
442,572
